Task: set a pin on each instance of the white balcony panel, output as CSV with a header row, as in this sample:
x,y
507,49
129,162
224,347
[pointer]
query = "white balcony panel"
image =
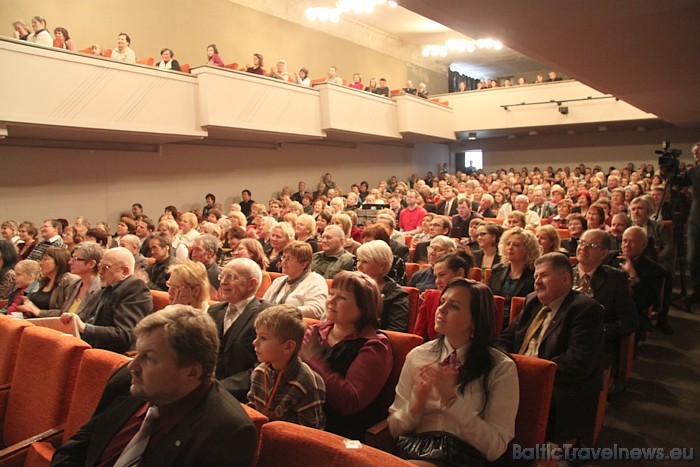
x,y
242,106
352,115
423,120
56,94
481,110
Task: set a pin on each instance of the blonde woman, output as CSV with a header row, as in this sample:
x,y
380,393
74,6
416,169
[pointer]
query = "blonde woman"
x,y
189,285
281,235
170,228
188,229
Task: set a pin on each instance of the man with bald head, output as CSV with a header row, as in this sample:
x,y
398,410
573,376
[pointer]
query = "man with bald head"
x,y
645,274
235,318
108,321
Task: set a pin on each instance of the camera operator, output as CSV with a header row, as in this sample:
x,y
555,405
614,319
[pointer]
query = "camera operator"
x,y
692,177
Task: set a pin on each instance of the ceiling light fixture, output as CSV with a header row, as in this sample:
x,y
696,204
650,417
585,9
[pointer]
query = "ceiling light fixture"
x,y
471,137
358,7
461,45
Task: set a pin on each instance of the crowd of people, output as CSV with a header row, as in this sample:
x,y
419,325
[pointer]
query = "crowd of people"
x,y
586,248
463,85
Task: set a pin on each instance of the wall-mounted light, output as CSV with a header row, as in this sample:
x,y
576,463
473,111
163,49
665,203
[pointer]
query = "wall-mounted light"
x,y
471,137
460,45
564,110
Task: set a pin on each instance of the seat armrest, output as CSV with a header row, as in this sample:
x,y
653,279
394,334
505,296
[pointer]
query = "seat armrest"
x,y
378,436
52,435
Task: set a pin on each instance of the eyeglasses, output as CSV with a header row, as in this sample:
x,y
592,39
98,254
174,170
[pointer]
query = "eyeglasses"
x,y
585,244
436,249
287,258
227,277
75,258
482,234
176,287
105,267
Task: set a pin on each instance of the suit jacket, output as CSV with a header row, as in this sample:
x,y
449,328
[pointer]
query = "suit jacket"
x,y
399,250
421,253
114,312
479,257
488,213
440,208
574,341
216,432
655,231
611,289
547,210
237,357
646,289
460,227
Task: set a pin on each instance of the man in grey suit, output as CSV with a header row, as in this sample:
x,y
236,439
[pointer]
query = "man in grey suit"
x,y
235,317
108,320
164,408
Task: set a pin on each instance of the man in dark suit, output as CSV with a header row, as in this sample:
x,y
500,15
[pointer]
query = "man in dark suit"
x,y
299,195
566,327
540,205
234,318
485,206
108,320
448,206
460,222
608,286
165,407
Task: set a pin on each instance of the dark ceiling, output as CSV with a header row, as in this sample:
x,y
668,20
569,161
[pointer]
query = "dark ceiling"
x,y
646,52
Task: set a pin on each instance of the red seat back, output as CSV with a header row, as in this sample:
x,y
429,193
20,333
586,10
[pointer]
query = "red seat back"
x,y
413,305
160,299
10,333
516,306
499,304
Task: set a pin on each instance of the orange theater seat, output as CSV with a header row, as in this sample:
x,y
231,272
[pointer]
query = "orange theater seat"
x,y
475,274
516,306
329,283
499,304
146,61
160,299
563,233
185,68
86,50
108,53
411,269
264,284
401,344
11,331
291,445
413,305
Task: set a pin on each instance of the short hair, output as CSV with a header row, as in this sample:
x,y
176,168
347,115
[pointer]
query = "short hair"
x,y
643,200
625,218
444,242
188,216
552,233
257,254
388,218
493,229
210,195
99,234
605,238
376,232
123,256
150,225
558,261
378,252
166,49
12,225
162,239
308,221
457,260
247,191
91,251
302,251
367,296
578,217
532,246
640,233
251,268
209,242
171,226
344,221
285,323
128,39
30,227
56,225
129,223
287,230
520,215
172,210
190,333
336,229
238,215
28,266
194,274
446,222
63,31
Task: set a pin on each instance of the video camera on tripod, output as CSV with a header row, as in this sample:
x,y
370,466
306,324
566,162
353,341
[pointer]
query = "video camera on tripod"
x,y
668,160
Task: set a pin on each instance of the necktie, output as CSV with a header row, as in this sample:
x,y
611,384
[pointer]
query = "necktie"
x,y
584,284
448,206
452,359
229,317
534,328
133,451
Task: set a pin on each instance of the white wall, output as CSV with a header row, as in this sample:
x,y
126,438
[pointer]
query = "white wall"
x,y
43,183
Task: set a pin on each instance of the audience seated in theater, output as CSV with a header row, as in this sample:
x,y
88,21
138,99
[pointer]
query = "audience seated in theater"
x,y
563,211
133,244
206,425
343,221
205,250
423,234
332,258
235,318
372,87
397,272
375,259
425,278
583,199
300,286
144,228
516,219
22,31
382,89
398,240
514,277
539,79
577,225
565,326
40,35
548,238
213,57
62,39
56,284
462,86
123,52
474,385
357,82
99,236
447,268
108,321
51,230
409,89
253,250
440,225
488,235
10,232
485,205
471,242
158,271
281,235
305,229
188,229
353,359
8,260
595,218
28,233
532,220
178,249
299,392
335,79
540,205
422,91
126,226
302,77
25,282
280,71
168,62
189,285
553,77
97,49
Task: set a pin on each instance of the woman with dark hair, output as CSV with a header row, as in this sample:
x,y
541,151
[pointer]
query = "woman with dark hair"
x,y
168,62
55,283
583,199
354,360
98,235
28,233
258,67
488,235
457,385
8,259
62,39
213,56
447,268
302,77
252,249
322,222
84,263
595,218
577,225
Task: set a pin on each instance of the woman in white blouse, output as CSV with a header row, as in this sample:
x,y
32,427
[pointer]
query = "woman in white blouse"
x,y
458,384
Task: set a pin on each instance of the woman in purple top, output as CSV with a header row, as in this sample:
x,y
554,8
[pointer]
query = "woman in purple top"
x,y
258,65
213,56
352,357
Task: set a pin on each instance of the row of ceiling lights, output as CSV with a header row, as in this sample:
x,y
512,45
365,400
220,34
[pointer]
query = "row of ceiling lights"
x,y
460,45
332,14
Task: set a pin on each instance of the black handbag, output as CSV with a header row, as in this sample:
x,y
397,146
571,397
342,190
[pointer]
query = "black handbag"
x,y
438,446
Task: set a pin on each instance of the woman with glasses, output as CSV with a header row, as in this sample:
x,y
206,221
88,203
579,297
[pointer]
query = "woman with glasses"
x,y
425,278
300,286
189,285
488,235
58,288
28,233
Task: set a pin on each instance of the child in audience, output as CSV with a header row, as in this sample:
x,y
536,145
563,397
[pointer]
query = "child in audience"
x,y
26,274
282,386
